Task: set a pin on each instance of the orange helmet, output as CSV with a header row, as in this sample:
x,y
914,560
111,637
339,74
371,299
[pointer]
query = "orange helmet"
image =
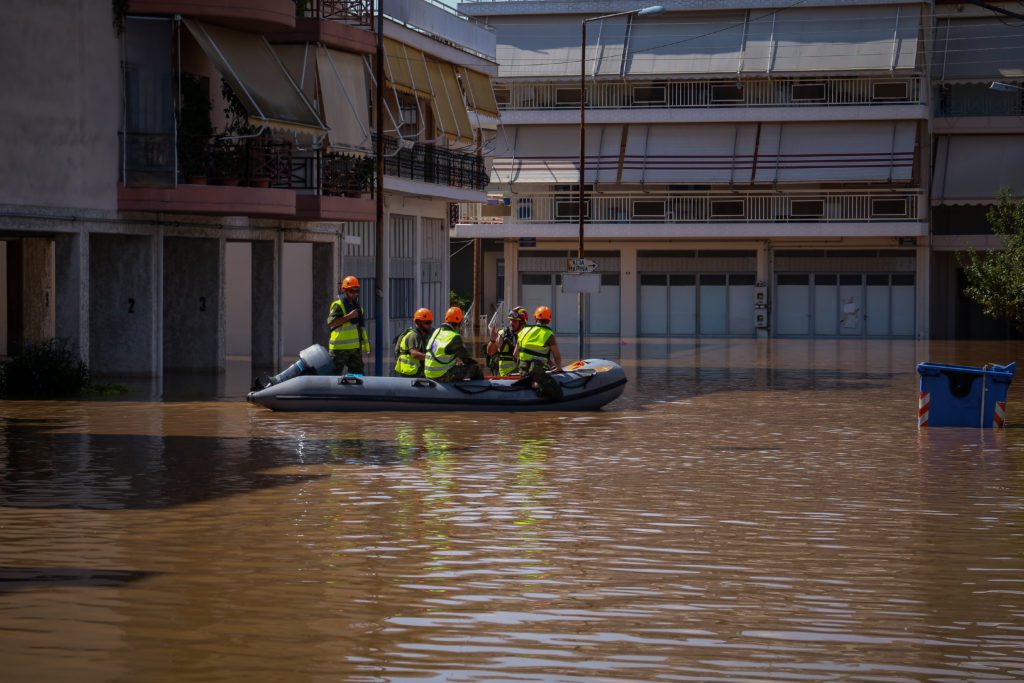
x,y
542,313
453,315
518,313
350,282
423,314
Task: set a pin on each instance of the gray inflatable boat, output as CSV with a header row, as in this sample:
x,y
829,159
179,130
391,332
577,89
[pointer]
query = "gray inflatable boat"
x,y
587,385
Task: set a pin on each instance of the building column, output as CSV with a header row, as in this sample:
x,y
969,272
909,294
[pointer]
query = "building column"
x,y
72,289
266,303
156,307
628,292
511,256
764,279
324,286
923,290
38,308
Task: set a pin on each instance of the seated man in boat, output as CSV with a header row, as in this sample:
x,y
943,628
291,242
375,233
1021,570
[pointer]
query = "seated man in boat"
x,y
537,350
411,344
503,343
347,323
447,359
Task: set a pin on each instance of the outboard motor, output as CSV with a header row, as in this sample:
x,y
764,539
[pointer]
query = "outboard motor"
x,y
314,360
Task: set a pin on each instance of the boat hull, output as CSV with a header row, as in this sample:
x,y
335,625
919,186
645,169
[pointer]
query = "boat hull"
x,y
587,385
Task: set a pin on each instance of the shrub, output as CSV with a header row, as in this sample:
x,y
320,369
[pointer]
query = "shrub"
x,y
48,369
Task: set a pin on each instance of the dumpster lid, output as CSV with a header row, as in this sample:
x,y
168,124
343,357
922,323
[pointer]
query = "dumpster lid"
x,y
989,369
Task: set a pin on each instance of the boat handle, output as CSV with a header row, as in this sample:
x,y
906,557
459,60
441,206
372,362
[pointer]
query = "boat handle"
x,y
423,383
347,379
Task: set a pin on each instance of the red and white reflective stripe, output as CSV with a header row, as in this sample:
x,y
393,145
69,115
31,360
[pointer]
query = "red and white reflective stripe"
x,y
999,419
922,409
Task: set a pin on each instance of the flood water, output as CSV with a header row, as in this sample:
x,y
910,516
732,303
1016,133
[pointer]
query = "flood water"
x,y
747,511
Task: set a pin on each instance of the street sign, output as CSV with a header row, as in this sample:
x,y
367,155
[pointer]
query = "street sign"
x,y
581,283
580,265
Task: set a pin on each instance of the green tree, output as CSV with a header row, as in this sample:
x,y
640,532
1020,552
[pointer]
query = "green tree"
x,y
995,279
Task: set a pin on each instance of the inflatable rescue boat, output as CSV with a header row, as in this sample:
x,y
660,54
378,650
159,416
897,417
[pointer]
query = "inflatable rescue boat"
x,y
586,385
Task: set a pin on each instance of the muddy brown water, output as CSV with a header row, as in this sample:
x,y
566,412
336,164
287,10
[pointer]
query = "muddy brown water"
x,y
747,511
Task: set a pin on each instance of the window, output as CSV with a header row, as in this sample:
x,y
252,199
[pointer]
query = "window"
x,y
876,280
649,94
502,96
807,208
896,207
903,280
826,279
570,209
650,280
609,279
723,208
890,90
725,93
682,280
648,209
712,280
524,208
791,279
536,279
808,92
849,279
742,279
567,97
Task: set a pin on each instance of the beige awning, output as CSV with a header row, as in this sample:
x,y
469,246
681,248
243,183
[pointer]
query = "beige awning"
x,y
479,92
971,169
405,68
449,107
257,76
344,91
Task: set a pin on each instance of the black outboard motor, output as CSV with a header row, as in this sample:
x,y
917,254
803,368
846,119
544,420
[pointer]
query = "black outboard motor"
x,y
314,360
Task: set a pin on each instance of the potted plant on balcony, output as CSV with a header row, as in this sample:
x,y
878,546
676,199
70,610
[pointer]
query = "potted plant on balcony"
x,y
361,176
226,162
194,130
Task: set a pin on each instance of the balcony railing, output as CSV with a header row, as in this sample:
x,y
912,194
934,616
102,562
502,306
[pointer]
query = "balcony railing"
x,y
710,207
977,99
782,92
431,164
331,175
355,12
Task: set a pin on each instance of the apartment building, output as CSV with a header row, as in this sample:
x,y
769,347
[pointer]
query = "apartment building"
x,y
191,180
752,167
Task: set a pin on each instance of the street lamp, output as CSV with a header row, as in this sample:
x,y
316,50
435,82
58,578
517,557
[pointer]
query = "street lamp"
x,y
581,208
1004,87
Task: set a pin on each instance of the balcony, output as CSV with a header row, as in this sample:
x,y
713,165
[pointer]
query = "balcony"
x,y
340,24
780,92
247,176
631,208
436,165
258,16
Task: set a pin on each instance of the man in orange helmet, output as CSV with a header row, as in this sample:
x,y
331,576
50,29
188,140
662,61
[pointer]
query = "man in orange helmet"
x,y
411,344
537,350
347,322
447,358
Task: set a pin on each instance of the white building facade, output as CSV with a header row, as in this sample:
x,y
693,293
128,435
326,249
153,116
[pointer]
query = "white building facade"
x,y
752,168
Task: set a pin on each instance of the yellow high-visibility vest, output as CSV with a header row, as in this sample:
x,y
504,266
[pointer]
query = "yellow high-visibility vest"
x,y
533,343
438,360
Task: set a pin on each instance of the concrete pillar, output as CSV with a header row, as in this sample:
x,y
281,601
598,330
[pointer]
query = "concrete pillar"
x,y
122,296
193,303
72,289
156,317
628,292
324,288
417,260
3,298
764,277
382,279
511,256
266,304
923,290
38,308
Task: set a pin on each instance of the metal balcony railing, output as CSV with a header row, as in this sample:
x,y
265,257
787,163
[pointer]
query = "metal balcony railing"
x,y
709,207
332,175
431,164
355,12
777,92
976,99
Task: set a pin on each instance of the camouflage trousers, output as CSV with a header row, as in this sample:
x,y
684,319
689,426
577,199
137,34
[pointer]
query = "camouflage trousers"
x,y
544,384
352,359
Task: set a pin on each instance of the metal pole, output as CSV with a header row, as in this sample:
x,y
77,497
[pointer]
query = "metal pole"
x,y
381,285
583,144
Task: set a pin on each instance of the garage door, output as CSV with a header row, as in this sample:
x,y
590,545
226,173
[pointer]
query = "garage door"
x,y
844,304
602,308
697,304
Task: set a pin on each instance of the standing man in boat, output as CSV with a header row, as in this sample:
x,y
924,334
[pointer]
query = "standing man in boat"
x,y
347,321
503,343
447,359
537,350
412,343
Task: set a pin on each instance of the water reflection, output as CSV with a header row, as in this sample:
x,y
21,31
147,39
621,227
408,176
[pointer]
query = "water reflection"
x,y
746,512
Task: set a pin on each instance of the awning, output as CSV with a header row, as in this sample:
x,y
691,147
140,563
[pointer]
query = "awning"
x,y
405,68
978,49
806,39
552,48
970,169
550,154
863,151
449,107
254,72
479,93
699,153
686,44
343,88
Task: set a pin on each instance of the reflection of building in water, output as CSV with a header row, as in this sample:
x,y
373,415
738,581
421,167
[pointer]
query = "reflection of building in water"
x,y
749,171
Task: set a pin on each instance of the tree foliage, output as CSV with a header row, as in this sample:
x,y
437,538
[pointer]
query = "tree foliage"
x,y
995,279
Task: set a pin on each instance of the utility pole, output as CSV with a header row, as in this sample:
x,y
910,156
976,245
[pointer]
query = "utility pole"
x,y
381,285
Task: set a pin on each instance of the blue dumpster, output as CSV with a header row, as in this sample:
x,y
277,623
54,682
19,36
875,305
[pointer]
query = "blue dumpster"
x,y
963,396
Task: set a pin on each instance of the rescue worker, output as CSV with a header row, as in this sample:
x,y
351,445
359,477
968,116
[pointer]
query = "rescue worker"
x,y
411,344
445,349
537,350
503,343
347,321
